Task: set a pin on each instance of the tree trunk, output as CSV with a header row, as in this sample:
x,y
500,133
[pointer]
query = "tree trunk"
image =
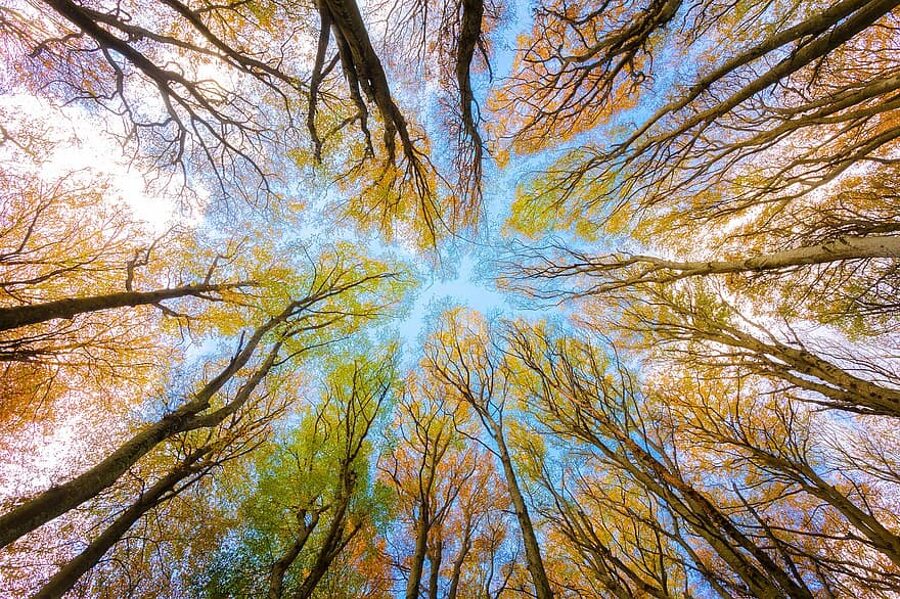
x,y
844,248
435,556
706,520
69,574
879,536
848,391
651,269
469,36
59,499
280,567
368,70
532,547
851,17
418,556
456,572
19,316
335,539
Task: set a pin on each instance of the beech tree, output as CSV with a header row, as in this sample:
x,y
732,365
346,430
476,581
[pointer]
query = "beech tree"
x,y
428,470
712,136
239,436
110,55
462,358
83,285
605,414
311,500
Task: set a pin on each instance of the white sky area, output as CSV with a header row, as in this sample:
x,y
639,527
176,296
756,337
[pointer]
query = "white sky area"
x,y
83,145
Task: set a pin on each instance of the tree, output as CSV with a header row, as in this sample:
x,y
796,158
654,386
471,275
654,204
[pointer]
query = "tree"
x,y
191,125
239,436
586,402
359,407
312,500
713,136
462,49
84,284
688,385
774,442
159,72
717,337
461,357
403,186
428,469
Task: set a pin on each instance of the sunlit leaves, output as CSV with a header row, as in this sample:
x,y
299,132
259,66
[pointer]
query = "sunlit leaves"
x,y
542,206
705,410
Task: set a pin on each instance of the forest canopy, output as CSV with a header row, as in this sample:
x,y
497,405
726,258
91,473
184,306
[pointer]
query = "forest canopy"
x,y
464,299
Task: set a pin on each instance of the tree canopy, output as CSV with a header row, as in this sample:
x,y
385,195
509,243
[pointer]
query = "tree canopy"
x,y
450,299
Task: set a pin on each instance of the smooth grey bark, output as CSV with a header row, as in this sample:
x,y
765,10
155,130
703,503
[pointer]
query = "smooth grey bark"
x,y
652,269
363,68
843,248
529,538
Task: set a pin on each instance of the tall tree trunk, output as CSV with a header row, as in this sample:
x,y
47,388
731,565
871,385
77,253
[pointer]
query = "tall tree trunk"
x,y
844,248
335,540
705,518
651,269
19,316
469,38
418,556
69,574
597,413
464,548
348,24
281,566
806,370
880,537
435,556
59,499
529,538
847,18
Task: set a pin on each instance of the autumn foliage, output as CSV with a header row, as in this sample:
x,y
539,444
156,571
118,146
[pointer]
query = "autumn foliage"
x,y
668,365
